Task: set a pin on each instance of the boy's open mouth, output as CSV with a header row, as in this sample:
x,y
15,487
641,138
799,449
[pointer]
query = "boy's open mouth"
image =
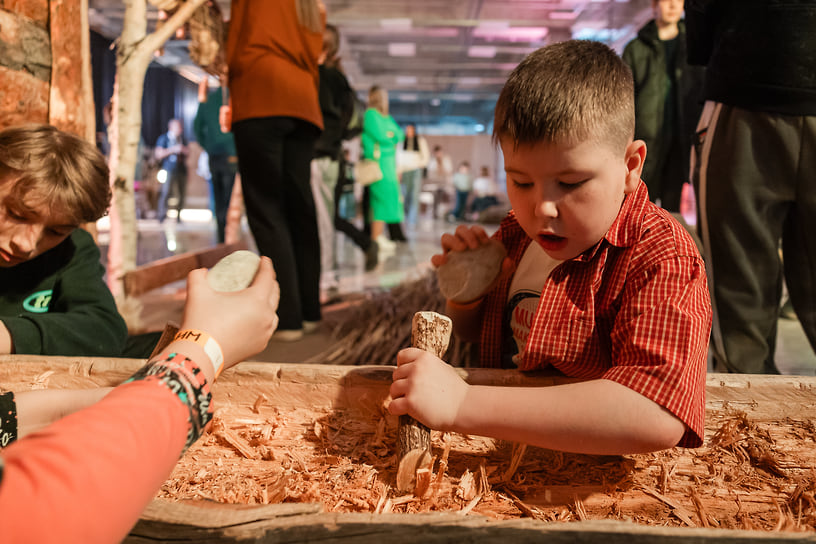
x,y
551,241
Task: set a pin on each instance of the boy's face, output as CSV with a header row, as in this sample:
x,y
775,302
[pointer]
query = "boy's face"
x,y
566,196
25,234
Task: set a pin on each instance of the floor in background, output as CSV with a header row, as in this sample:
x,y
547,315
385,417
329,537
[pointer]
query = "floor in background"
x,y
410,260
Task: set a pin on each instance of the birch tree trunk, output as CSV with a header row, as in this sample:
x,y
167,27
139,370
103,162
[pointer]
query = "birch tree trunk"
x,y
134,53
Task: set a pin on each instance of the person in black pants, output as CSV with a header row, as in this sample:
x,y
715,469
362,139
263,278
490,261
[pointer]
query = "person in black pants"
x,y
754,170
272,55
220,149
361,238
274,160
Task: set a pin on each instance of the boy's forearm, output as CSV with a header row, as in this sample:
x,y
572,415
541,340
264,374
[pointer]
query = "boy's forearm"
x,y
595,417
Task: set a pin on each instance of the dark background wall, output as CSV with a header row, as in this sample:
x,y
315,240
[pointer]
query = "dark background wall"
x,y
167,95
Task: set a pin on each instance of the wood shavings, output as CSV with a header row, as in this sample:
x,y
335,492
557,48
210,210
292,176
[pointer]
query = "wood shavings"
x,y
235,440
470,505
677,509
518,453
423,483
580,510
41,381
346,461
260,401
467,486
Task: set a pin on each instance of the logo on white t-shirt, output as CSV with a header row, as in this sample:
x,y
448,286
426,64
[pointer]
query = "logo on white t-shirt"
x,y
522,301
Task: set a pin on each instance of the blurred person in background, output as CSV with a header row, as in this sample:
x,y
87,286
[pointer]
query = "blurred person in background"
x,y
412,159
171,150
667,101
379,140
438,178
484,193
221,154
463,184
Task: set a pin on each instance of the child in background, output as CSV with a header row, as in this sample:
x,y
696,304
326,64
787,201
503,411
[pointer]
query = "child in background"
x,y
484,193
462,183
53,300
599,283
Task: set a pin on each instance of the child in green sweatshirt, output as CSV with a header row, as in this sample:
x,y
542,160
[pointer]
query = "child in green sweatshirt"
x,y
53,300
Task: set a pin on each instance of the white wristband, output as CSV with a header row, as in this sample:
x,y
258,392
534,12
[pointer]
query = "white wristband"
x,y
208,343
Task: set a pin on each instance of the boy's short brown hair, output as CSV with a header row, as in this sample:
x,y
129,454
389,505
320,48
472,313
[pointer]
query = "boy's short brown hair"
x,y
52,169
567,92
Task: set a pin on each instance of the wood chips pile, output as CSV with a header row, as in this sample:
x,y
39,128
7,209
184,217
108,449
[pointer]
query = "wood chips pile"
x,y
747,476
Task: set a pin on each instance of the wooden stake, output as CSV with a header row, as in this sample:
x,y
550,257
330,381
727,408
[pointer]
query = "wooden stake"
x,y
430,331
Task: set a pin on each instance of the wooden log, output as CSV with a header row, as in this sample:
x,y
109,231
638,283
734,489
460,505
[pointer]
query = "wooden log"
x,y
324,426
431,332
175,268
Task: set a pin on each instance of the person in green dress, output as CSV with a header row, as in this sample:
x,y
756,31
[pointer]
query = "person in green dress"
x,y
380,137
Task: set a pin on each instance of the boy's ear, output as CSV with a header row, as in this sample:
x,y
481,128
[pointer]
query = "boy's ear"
x,y
635,155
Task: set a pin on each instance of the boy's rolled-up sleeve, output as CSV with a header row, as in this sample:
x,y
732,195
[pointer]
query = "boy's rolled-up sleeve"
x,y
659,341
82,318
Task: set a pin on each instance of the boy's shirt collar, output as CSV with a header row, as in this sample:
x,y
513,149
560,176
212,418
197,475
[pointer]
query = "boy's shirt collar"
x,y
623,232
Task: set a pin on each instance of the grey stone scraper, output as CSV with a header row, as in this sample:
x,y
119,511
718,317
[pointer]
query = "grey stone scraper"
x,y
467,274
234,272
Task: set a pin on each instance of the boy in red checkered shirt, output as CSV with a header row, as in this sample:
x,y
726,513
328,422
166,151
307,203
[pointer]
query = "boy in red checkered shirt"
x,y
598,283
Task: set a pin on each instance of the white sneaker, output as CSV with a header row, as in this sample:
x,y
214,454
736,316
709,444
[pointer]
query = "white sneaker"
x,y
385,244
288,335
310,326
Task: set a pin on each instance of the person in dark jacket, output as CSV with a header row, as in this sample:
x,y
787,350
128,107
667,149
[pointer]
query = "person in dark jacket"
x,y
337,105
756,170
220,148
667,101
171,150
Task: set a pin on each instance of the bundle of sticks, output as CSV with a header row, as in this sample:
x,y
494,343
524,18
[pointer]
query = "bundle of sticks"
x,y
373,330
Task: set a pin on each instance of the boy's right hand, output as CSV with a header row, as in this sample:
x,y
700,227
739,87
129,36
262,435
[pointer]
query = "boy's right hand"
x,y
427,388
469,237
464,237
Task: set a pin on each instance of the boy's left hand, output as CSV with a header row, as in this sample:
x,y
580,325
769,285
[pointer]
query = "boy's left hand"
x,y
426,388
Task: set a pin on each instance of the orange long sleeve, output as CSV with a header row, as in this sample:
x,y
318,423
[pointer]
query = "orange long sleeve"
x,y
87,477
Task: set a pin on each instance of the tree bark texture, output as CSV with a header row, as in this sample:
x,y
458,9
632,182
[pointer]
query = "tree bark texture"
x,y
134,54
431,332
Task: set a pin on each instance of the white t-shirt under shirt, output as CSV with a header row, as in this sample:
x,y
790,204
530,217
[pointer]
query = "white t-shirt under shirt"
x,y
522,300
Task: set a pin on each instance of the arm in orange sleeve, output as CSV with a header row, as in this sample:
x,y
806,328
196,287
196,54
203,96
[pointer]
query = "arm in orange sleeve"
x,y
88,477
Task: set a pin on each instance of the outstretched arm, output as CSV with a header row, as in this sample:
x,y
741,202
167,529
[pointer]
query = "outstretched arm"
x,y
112,456
596,417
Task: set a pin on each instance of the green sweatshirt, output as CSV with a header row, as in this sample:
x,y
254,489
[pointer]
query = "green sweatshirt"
x,y
58,303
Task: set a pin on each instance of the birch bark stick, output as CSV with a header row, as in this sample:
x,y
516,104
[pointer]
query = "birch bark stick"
x,y
431,332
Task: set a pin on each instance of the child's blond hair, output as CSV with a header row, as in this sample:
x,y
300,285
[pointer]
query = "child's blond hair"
x,y
54,170
567,92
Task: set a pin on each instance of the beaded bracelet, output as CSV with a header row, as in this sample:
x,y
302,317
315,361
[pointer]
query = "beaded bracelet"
x,y
186,380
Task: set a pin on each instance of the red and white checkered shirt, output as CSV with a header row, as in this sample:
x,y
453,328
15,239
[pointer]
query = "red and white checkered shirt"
x,y
634,309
